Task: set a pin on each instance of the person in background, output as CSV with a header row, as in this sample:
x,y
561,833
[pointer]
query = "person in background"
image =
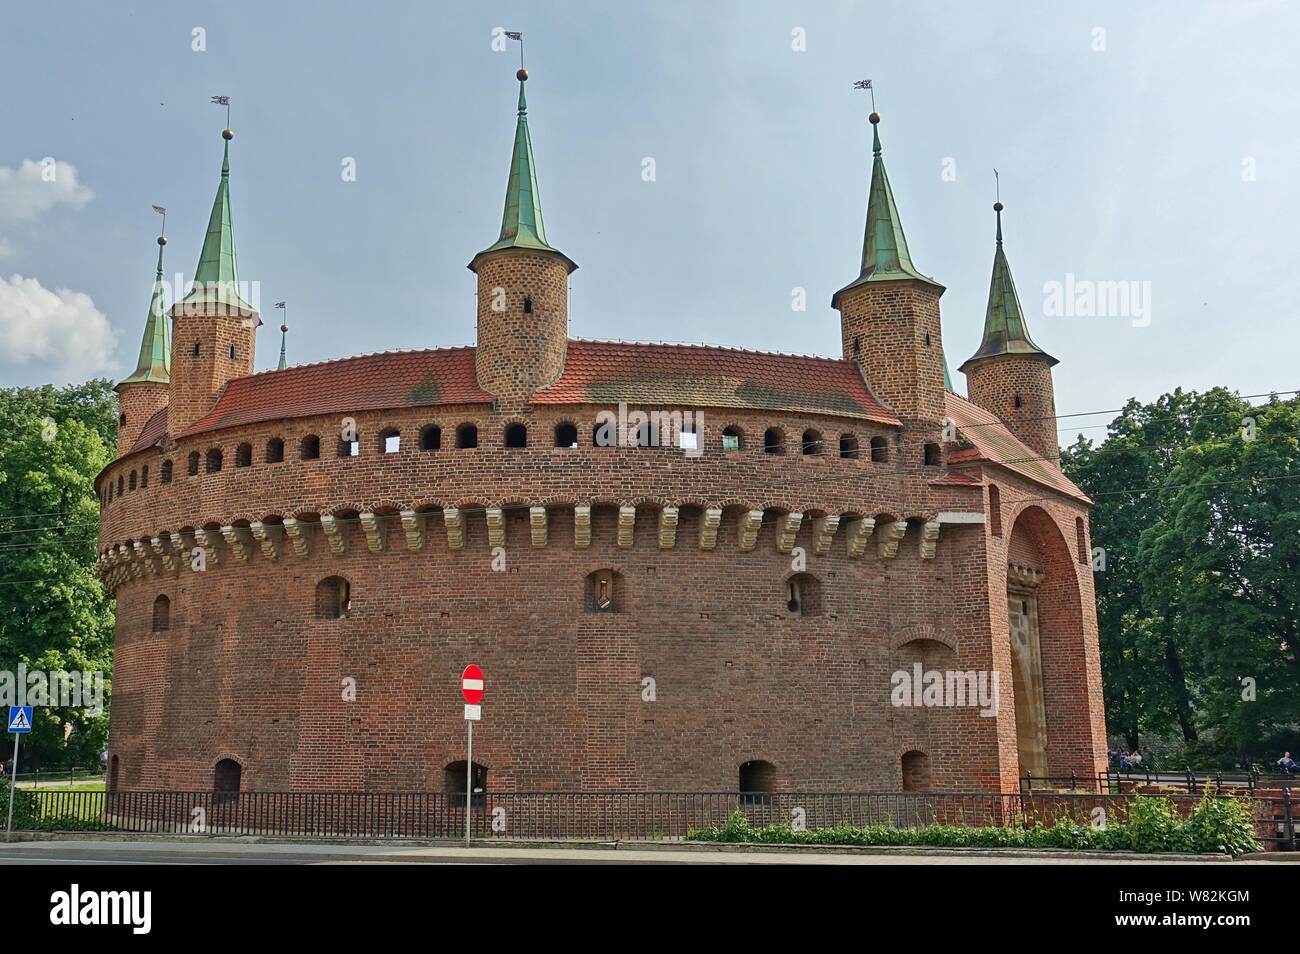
x,y
1288,764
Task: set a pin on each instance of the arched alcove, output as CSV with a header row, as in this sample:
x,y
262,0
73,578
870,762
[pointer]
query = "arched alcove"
x,y
1049,652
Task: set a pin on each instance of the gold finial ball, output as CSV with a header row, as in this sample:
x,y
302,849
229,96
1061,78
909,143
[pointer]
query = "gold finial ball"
x,y
284,328
998,207
227,134
522,74
162,240
874,118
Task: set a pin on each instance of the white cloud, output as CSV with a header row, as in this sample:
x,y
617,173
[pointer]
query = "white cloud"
x,y
37,186
60,330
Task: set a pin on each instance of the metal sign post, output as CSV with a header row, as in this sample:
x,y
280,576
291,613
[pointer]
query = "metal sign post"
x,y
471,689
20,722
13,777
469,776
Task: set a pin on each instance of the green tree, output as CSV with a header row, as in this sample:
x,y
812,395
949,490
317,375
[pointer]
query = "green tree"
x,y
1233,537
54,613
1179,555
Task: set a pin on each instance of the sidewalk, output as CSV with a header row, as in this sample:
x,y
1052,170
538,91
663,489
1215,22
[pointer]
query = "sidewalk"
x,y
136,849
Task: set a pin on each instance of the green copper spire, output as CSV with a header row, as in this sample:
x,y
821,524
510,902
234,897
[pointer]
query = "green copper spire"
x,y
1005,331
216,277
885,256
284,334
521,223
154,365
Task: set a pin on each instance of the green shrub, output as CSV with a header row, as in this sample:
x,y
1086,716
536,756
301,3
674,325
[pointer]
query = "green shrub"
x,y
1223,825
25,809
1220,825
28,817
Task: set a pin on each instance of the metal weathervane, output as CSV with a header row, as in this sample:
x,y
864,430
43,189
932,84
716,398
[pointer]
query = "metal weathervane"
x,y
223,101
866,84
163,212
520,37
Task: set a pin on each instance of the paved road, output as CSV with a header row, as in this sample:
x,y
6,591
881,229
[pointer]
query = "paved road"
x,y
217,851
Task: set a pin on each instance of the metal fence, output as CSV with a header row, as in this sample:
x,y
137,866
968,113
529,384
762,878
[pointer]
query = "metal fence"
x,y
584,815
1191,783
53,774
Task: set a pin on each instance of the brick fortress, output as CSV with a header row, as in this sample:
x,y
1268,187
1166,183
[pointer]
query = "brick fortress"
x,y
304,559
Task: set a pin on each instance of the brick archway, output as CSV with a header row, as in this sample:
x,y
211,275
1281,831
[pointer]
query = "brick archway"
x,y
1045,610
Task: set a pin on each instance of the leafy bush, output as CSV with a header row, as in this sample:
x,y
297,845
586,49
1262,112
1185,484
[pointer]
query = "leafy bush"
x,y
28,816
25,810
1219,825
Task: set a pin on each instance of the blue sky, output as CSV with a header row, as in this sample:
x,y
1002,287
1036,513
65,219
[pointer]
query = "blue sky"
x,y
1160,150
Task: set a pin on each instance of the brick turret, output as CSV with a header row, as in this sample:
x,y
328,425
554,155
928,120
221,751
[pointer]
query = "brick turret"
x,y
214,329
889,315
523,289
146,390
1009,375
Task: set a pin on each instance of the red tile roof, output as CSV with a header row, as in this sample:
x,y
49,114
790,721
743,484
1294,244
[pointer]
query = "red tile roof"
x,y
390,379
154,430
955,478
994,442
606,372
596,372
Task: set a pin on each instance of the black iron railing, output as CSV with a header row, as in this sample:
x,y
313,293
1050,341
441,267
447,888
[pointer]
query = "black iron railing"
x,y
1191,783
588,815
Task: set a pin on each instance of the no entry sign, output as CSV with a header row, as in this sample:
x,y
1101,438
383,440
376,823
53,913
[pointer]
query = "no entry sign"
x,y
471,685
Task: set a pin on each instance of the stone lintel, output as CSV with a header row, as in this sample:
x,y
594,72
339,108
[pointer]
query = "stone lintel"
x,y
582,526
709,523
413,527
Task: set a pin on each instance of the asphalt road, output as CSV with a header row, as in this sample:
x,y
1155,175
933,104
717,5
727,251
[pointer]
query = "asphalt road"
x,y
226,852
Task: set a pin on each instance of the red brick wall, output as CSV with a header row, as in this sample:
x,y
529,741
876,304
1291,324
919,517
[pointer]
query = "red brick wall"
x,y
891,322
138,402
196,381
246,670
1039,530
1076,731
994,383
494,473
518,352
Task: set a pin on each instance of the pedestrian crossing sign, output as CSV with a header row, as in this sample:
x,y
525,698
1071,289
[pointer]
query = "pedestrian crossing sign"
x,y
20,718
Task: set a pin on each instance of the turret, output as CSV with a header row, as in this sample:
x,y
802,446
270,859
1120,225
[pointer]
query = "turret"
x,y
1009,375
214,330
523,288
145,391
889,315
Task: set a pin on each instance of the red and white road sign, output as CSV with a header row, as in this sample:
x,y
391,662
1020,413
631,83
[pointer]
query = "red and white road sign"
x,y
471,685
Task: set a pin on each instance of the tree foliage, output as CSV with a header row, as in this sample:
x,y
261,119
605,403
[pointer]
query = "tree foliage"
x,y
54,613
1198,601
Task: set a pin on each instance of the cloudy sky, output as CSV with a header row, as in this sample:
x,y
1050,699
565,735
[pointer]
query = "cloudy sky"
x,y
1150,144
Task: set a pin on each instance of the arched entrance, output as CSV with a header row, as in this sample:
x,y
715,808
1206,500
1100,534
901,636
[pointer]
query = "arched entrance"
x,y
1045,629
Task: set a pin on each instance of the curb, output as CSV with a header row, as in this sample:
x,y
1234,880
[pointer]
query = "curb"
x,y
216,843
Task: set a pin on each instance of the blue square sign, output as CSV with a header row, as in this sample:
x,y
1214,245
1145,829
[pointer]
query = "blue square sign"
x,y
20,718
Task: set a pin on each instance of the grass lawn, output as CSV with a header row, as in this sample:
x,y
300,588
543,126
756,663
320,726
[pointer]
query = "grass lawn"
x,y
87,786
78,787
